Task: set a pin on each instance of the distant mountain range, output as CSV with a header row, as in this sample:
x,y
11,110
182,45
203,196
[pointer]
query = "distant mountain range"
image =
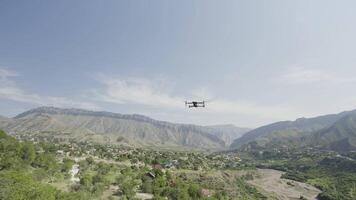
x,y
332,132
106,127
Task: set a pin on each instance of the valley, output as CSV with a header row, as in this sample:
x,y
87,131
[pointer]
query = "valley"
x,y
177,100
78,154
96,171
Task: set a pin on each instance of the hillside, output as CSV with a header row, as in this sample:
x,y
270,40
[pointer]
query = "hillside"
x,y
4,121
106,127
341,136
326,131
228,133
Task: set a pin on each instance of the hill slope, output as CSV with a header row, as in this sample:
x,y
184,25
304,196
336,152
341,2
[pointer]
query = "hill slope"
x,y
341,136
228,133
323,131
106,127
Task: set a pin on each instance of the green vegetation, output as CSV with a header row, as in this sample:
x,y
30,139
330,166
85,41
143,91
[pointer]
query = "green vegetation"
x,y
333,174
20,185
247,191
42,171
17,160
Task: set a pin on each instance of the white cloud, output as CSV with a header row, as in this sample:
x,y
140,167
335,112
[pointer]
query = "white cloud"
x,y
152,94
202,93
137,91
301,75
4,73
11,91
16,94
253,109
68,103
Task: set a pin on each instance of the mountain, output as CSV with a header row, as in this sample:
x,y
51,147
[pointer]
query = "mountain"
x,y
106,127
341,136
329,131
4,121
228,133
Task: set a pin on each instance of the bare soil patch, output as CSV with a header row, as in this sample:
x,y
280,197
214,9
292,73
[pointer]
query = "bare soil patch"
x,y
270,181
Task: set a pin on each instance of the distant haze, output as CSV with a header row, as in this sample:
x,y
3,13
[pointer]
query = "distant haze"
x,y
254,62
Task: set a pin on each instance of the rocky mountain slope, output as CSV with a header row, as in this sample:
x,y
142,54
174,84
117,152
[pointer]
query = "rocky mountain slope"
x,y
106,127
228,133
334,132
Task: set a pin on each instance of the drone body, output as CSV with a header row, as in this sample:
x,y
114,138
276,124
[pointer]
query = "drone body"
x,y
195,104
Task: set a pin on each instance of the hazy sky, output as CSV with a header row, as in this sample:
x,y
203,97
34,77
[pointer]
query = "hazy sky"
x,y
255,61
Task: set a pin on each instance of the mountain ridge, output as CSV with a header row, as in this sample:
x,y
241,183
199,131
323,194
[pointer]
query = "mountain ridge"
x,y
301,132
134,129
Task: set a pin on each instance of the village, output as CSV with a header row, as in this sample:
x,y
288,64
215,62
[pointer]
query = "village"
x,y
123,171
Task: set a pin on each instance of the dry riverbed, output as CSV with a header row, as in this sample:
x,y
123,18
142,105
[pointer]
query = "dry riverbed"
x,y
270,181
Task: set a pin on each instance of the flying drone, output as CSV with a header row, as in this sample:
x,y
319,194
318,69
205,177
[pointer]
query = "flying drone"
x,y
195,104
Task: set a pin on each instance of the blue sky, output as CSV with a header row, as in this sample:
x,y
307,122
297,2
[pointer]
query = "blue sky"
x,y
255,61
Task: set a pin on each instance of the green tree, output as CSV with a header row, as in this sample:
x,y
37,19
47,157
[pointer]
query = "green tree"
x,y
46,161
67,165
86,180
90,160
128,189
147,184
194,191
9,152
16,185
28,152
